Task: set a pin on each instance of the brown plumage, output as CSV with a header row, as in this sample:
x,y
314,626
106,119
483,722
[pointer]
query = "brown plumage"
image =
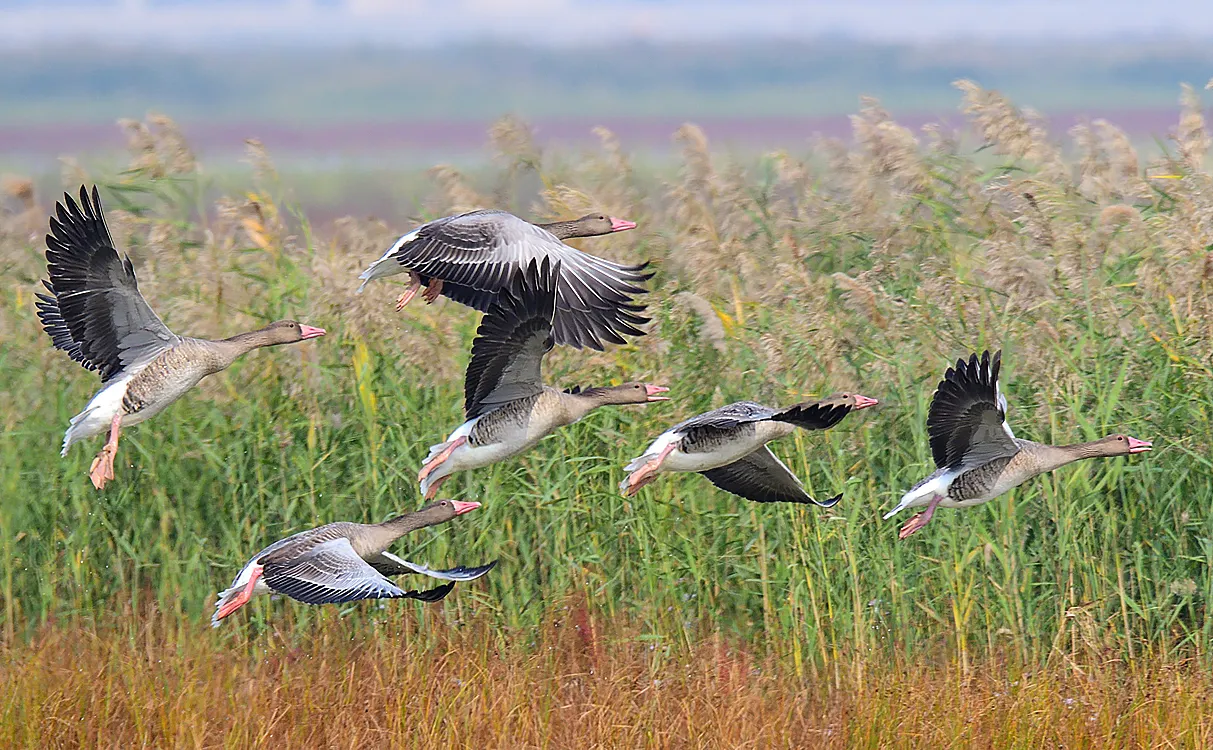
x,y
976,454
728,446
473,256
508,408
95,313
343,562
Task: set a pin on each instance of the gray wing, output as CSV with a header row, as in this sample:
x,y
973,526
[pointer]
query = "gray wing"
x,y
332,573
513,337
477,254
94,311
725,418
763,478
967,420
391,565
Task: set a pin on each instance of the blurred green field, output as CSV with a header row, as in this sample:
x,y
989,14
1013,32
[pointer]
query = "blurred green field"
x,y
315,86
776,281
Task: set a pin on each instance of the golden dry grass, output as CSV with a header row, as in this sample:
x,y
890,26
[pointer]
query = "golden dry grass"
x,y
148,682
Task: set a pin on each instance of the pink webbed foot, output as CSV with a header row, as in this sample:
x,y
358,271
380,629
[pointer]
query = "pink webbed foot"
x,y
433,291
433,491
241,599
432,464
642,477
920,519
407,296
646,473
101,470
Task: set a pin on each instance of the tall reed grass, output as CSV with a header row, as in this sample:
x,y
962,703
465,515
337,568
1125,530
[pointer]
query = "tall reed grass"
x,y
866,265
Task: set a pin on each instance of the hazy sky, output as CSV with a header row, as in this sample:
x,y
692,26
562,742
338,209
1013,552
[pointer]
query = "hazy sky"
x,y
428,22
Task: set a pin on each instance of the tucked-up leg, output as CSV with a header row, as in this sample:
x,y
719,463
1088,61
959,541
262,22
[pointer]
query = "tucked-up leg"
x,y
442,456
102,468
433,291
407,296
240,599
646,473
433,491
920,519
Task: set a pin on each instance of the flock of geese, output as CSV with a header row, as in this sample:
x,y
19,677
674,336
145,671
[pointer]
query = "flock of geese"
x,y
535,292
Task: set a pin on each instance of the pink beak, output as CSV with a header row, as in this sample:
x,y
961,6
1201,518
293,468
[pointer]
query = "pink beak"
x,y
863,402
1139,446
652,390
462,507
621,225
310,332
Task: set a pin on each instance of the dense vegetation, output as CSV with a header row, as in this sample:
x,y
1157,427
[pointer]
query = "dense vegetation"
x,y
864,266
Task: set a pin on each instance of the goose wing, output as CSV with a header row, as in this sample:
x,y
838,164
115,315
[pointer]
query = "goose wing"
x,y
477,254
94,311
967,421
391,565
332,573
763,478
513,337
812,415
724,419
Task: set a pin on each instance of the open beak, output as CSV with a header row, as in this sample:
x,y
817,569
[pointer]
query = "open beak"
x,y
310,332
652,390
621,225
863,402
462,507
1139,446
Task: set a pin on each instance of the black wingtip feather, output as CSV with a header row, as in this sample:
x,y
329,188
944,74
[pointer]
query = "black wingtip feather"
x,y
965,384
813,415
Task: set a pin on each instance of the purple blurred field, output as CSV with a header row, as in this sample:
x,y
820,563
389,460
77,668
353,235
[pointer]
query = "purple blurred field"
x,y
354,140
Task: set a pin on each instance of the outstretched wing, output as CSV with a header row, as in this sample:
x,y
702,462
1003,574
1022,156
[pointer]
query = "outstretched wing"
x,y
813,415
967,421
391,565
477,254
94,311
513,337
763,478
727,417
332,573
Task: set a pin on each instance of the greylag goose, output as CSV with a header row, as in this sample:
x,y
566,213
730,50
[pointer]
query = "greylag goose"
x,y
729,446
977,455
472,256
345,562
95,313
508,408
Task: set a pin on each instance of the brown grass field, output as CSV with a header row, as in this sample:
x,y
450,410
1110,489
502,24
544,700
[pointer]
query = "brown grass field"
x,y
583,683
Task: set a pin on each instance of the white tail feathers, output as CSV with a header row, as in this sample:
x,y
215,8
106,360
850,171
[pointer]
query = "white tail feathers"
x,y
921,493
387,265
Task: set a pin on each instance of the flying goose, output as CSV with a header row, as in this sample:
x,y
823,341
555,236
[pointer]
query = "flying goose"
x,y
508,408
95,313
977,455
729,446
471,257
344,562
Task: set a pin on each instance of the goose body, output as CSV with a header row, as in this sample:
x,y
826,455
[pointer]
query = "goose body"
x,y
508,408
728,446
473,256
343,562
977,455
95,312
